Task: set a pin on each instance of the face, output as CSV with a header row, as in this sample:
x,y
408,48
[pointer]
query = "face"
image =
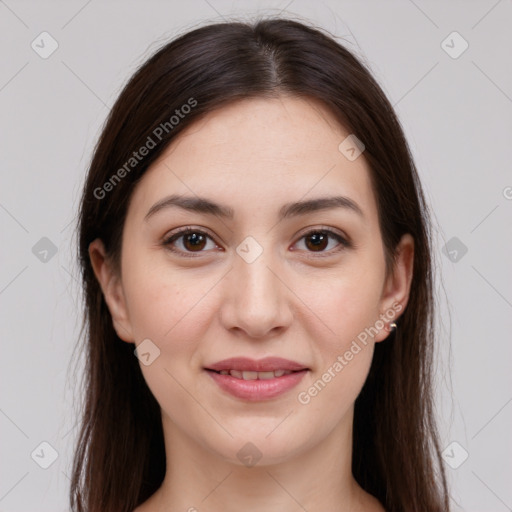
x,y
256,278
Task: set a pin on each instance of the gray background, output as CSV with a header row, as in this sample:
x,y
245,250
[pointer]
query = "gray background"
x,y
456,113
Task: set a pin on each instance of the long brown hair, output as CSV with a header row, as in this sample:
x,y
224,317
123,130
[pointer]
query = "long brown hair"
x,y
120,454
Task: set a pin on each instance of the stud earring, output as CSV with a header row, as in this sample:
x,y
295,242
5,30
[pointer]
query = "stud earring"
x,y
392,327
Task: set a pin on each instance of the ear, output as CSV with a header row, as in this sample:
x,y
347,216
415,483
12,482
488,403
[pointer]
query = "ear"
x,y
395,294
112,289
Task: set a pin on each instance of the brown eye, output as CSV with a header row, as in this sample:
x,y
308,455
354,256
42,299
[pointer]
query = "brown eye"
x,y
321,241
194,241
189,241
317,241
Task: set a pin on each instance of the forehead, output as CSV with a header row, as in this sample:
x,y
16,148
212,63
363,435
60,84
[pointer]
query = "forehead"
x,y
260,151
261,129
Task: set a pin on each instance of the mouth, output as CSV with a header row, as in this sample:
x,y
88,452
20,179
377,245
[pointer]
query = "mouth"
x,y
253,380
250,375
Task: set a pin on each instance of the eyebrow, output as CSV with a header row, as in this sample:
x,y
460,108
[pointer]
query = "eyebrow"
x,y
203,205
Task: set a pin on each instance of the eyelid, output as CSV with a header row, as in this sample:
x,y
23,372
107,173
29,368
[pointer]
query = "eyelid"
x,y
186,229
325,229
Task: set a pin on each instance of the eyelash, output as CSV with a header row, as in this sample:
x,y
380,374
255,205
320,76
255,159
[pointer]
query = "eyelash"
x,y
168,241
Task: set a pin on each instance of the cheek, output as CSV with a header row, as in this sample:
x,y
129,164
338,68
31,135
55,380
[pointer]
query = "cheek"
x,y
346,302
346,309
171,310
344,351
164,303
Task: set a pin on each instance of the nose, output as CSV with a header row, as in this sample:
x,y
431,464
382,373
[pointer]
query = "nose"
x,y
256,299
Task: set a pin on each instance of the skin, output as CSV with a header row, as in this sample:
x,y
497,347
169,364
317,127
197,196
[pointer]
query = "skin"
x,y
254,156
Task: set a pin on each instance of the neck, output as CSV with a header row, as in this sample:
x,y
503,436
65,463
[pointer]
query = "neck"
x,y
316,479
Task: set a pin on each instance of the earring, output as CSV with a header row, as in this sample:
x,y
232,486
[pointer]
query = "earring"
x,y
392,327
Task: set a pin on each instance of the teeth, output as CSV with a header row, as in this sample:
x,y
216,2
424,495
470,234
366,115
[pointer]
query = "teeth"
x,y
248,375
264,375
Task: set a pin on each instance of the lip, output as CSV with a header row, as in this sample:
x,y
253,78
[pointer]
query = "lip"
x,y
257,390
268,364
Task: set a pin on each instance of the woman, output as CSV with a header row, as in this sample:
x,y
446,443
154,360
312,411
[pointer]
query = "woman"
x,y
255,251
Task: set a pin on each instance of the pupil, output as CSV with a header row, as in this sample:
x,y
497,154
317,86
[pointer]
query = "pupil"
x,y
318,240
194,240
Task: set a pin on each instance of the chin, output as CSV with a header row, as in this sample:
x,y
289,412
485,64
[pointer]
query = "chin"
x,y
262,448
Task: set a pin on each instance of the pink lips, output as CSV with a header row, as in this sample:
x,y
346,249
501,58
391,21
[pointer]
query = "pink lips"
x,y
268,364
257,390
